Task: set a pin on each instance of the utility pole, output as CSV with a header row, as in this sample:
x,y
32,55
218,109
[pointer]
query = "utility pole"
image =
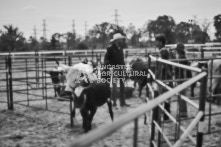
x,y
73,26
116,18
35,33
194,19
85,29
44,29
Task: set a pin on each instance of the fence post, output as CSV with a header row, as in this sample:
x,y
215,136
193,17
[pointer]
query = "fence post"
x,y
7,80
92,54
10,83
37,68
157,72
202,99
45,84
202,52
27,80
160,89
71,99
100,57
150,78
146,52
149,61
96,60
126,55
69,61
155,117
71,111
135,132
210,95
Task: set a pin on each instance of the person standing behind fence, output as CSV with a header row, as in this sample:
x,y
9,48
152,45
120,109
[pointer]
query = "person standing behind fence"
x,y
164,72
114,57
181,74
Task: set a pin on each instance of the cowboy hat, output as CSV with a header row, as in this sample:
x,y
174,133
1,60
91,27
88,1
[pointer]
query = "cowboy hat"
x,y
117,36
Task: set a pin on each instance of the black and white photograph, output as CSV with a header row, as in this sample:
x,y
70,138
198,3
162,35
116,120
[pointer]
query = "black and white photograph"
x,y
110,73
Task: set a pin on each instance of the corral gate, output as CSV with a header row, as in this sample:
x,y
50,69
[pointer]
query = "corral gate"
x,y
24,81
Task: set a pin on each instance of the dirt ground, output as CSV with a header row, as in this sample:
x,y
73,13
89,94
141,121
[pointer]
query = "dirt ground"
x,y
31,127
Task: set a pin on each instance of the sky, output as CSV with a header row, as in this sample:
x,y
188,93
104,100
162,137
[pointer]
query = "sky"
x,y
59,14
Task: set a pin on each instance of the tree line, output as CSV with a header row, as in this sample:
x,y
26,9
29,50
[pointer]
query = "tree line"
x,y
12,39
